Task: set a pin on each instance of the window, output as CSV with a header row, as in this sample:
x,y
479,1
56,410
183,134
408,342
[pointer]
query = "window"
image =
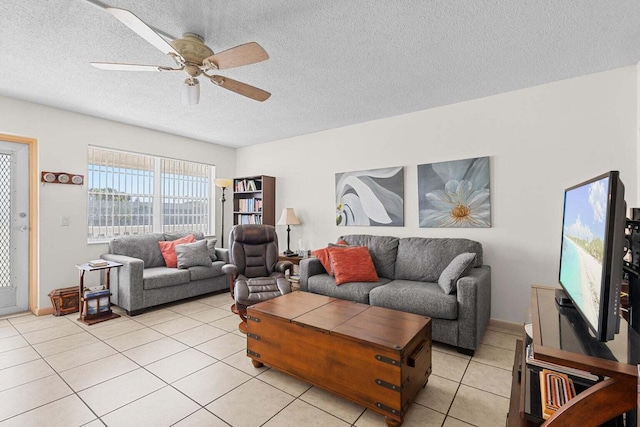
x,y
130,193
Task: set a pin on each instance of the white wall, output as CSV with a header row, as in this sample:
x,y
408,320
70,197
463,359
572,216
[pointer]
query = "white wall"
x,y
62,147
540,140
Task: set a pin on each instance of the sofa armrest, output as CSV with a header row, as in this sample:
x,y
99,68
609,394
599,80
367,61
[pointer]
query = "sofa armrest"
x,y
126,282
231,270
309,267
474,306
223,255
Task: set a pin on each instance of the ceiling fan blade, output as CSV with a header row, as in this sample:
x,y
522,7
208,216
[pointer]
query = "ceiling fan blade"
x,y
143,30
245,54
241,88
131,67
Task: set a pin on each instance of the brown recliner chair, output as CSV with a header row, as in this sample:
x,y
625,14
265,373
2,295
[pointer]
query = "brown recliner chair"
x,y
255,273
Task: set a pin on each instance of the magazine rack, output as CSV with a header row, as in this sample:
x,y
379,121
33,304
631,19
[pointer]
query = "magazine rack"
x,y
102,309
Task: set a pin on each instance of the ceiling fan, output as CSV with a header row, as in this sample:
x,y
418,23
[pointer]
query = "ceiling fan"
x,y
194,58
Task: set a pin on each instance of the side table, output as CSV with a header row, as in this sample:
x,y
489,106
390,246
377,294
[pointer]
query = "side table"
x,y
101,313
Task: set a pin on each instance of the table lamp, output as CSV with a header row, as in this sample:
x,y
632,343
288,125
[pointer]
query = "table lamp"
x,y
222,183
288,218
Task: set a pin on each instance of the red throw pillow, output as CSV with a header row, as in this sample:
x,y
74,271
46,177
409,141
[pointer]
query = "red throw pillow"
x,y
168,249
352,264
323,257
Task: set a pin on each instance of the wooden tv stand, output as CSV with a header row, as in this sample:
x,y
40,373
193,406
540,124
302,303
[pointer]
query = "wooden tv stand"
x,y
560,337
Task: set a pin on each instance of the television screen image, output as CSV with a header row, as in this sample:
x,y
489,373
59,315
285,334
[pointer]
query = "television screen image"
x,y
592,242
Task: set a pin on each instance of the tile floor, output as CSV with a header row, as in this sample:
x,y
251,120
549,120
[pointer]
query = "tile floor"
x,y
185,365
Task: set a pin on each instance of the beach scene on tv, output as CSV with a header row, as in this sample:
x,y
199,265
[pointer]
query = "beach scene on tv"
x,y
583,244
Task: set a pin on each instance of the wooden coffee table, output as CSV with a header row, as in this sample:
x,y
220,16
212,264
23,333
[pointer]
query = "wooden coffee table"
x,y
373,356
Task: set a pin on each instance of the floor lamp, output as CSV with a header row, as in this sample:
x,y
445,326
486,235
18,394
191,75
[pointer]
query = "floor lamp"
x,y
287,218
222,183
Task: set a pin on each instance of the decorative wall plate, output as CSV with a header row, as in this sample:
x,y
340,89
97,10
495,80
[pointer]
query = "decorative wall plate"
x,y
77,179
63,178
49,177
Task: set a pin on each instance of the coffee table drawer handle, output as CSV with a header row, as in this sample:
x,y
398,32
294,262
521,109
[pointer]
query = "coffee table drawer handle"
x,y
420,352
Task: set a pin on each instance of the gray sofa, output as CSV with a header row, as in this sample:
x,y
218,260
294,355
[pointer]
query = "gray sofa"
x,y
408,271
144,280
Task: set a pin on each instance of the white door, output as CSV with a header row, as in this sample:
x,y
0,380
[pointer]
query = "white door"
x,y
14,227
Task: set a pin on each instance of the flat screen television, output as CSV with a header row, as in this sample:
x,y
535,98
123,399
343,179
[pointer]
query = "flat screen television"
x,y
592,250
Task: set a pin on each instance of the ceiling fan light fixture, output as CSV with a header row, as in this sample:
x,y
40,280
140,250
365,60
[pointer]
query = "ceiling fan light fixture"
x,y
190,91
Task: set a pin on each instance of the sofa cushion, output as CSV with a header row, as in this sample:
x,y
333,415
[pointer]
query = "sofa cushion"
x,y
457,268
383,250
211,247
175,235
424,259
199,272
143,246
352,264
161,277
354,291
193,254
168,250
426,299
323,256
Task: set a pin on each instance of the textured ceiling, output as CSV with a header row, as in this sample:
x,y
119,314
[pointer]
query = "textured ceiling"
x,y
332,62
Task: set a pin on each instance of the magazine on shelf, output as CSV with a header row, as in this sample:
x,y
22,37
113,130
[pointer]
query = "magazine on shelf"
x,y
531,360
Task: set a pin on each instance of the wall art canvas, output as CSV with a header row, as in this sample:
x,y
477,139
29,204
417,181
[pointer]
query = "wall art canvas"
x,y
454,194
370,197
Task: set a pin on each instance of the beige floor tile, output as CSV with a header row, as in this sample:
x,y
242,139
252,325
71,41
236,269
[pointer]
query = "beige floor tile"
x,y
335,405
229,323
488,378
17,357
12,343
157,316
115,329
300,413
200,419
500,339
210,315
24,373
94,423
260,402
180,365
110,322
93,373
479,407
4,323
117,392
516,330
28,317
416,416
219,300
176,326
223,346
495,356
60,345
8,331
154,351
240,361
448,366
452,422
79,356
145,412
438,394
188,308
206,385
449,349
49,334
31,395
134,339
40,323
284,382
68,411
198,335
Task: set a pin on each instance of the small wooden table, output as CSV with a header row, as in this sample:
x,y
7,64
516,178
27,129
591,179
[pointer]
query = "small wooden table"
x,y
373,356
100,315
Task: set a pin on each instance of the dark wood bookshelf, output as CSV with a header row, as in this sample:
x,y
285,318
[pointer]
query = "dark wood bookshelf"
x,y
254,200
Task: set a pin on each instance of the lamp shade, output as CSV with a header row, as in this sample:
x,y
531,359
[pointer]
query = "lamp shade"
x,y
223,182
190,94
288,217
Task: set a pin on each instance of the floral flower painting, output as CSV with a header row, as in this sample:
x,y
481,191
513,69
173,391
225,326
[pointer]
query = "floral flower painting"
x,y
454,194
370,197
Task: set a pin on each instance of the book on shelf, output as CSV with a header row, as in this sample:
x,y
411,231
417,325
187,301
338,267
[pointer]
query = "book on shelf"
x,y
98,263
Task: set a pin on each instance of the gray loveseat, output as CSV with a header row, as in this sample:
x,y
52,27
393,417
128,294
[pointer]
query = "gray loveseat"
x,y
144,280
408,271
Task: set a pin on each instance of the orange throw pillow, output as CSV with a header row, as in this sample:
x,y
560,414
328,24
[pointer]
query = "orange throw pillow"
x,y
168,249
323,257
352,264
